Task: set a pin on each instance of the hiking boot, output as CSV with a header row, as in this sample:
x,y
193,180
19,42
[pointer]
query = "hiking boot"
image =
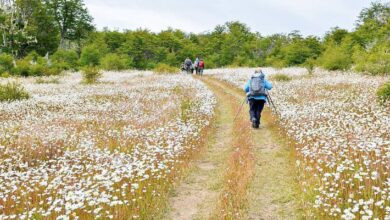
x,y
254,123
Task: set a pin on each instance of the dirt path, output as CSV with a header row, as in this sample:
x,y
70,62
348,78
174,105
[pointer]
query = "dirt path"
x,y
197,196
272,193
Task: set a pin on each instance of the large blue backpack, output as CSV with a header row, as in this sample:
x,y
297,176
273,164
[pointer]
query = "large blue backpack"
x,y
257,85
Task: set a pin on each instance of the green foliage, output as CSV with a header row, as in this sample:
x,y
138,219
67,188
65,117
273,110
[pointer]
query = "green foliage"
x,y
383,93
72,19
33,65
41,25
91,75
280,77
5,75
46,25
12,92
165,69
6,63
310,65
65,60
377,62
113,61
335,36
335,58
42,80
90,56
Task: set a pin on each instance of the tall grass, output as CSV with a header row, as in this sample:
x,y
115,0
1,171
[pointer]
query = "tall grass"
x,y
383,93
91,75
165,69
281,77
12,91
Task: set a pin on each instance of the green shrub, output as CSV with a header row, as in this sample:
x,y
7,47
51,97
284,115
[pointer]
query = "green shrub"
x,y
335,58
23,68
34,65
165,69
280,77
91,75
113,62
309,65
26,68
383,93
47,81
6,63
90,56
65,60
376,62
5,75
275,62
12,91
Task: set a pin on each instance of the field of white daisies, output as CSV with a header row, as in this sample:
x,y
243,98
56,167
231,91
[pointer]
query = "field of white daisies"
x,y
341,135
100,151
112,149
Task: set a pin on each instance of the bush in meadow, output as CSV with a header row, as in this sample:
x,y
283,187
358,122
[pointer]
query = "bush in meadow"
x,y
376,62
334,58
165,69
65,60
6,63
41,80
280,77
5,75
91,75
12,91
33,65
90,56
383,92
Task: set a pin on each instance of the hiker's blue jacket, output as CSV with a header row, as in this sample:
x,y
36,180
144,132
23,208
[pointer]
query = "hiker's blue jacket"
x,y
267,85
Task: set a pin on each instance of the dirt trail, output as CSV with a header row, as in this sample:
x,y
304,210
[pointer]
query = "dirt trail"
x,y
273,192
197,196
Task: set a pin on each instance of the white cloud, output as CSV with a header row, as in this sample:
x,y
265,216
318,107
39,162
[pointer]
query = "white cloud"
x,y
265,16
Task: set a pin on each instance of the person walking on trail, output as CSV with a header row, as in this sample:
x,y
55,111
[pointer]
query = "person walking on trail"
x,y
256,92
201,67
196,65
188,65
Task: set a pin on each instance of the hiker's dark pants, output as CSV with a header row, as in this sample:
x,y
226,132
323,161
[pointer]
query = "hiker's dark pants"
x,y
255,109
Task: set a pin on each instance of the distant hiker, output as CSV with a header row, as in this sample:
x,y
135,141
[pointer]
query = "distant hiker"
x,y
188,65
196,64
256,93
201,67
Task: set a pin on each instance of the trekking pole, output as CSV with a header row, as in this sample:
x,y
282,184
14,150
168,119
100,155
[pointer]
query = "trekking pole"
x,y
239,110
272,103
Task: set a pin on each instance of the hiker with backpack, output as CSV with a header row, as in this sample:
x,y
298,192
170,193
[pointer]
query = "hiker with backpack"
x,y
188,65
201,67
256,92
196,65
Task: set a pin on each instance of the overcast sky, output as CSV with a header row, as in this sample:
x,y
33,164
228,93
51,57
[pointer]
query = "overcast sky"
x,y
311,17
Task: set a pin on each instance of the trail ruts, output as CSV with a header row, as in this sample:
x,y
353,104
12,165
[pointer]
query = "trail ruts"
x,y
243,173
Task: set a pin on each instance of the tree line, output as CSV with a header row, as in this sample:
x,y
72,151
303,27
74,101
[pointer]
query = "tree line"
x,y
43,37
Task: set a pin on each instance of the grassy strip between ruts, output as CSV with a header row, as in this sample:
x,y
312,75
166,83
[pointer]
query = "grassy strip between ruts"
x,y
239,172
289,204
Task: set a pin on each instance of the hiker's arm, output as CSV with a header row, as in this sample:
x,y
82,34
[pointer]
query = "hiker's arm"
x,y
246,87
268,85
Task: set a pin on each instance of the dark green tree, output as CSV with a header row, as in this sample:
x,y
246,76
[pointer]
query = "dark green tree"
x,y
72,19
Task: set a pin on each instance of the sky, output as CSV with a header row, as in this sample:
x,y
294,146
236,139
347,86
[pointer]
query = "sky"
x,y
310,17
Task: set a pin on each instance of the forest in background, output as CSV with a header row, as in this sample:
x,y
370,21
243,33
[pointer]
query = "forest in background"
x,y
46,37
